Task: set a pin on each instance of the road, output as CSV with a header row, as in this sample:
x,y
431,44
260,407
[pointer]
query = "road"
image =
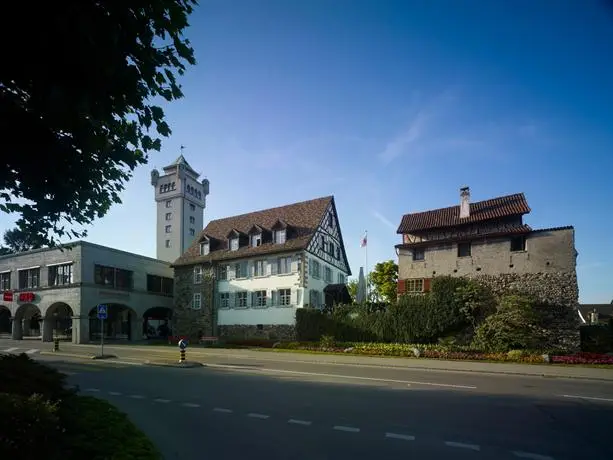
x,y
240,407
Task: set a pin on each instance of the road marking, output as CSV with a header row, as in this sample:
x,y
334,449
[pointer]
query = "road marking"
x,y
160,400
10,350
299,422
114,393
190,405
462,445
32,351
406,437
532,456
221,409
589,398
92,389
349,429
255,415
137,397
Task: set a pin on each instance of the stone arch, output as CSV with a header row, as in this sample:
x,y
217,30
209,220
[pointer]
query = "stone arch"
x,y
58,321
157,322
122,323
5,321
28,321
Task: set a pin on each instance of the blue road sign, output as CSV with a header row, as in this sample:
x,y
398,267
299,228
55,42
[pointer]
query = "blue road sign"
x,y
102,312
182,344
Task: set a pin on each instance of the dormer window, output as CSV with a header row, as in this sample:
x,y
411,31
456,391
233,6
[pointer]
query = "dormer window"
x,y
280,236
234,243
256,240
204,248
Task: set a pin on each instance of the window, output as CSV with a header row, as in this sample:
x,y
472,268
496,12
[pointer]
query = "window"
x,y
414,285
167,243
192,220
240,270
259,268
223,272
315,269
224,300
192,232
419,254
260,298
197,301
338,253
341,278
331,248
285,297
29,278
169,203
284,265
173,186
256,240
60,275
192,207
518,243
280,236
123,279
330,221
113,277
234,244
169,216
463,249
241,299
327,274
159,284
314,298
168,228
197,275
5,281
204,248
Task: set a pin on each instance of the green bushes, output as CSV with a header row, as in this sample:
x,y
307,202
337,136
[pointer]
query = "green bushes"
x,y
39,417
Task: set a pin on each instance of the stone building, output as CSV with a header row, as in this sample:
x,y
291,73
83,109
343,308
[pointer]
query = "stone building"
x,y
53,291
247,275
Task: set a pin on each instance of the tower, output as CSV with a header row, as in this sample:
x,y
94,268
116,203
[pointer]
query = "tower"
x,y
180,200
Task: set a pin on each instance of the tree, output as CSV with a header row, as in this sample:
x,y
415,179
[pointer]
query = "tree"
x,y
352,287
16,241
77,105
384,280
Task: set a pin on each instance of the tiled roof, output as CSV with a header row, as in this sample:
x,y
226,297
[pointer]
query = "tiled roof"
x,y
302,220
504,206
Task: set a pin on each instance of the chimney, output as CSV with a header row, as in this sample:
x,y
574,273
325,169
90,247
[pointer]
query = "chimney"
x,y
464,202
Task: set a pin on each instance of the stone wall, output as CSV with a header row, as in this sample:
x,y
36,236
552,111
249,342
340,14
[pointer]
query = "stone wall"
x,y
267,331
186,321
559,294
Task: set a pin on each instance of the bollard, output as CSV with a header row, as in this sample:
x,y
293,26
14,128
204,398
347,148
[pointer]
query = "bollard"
x,y
56,344
182,360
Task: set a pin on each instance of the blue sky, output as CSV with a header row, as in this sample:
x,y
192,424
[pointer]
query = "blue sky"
x,y
391,106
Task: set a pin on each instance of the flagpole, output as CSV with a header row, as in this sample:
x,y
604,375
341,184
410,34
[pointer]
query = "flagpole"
x,y
366,261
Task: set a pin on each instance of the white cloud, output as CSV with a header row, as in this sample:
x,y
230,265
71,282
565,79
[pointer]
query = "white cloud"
x,y
384,220
402,143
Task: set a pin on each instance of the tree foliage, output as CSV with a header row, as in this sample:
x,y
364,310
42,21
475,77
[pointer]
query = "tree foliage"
x,y
17,241
77,105
384,280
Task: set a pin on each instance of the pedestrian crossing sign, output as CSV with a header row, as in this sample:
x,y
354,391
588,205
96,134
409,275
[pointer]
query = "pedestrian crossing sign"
x,y
102,312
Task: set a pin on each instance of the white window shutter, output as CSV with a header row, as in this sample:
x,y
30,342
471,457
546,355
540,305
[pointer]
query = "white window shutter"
x,y
252,265
275,298
252,299
274,267
294,267
293,300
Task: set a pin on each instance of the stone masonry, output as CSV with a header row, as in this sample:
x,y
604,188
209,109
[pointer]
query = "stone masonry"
x,y
265,331
187,321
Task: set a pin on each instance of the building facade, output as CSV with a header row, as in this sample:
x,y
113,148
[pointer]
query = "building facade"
x,y
53,291
489,240
247,275
181,201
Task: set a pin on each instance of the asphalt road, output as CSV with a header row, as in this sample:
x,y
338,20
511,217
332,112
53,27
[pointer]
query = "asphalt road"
x,y
312,411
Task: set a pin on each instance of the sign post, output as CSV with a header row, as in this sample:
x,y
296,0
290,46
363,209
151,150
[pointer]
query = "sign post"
x,y
182,347
102,315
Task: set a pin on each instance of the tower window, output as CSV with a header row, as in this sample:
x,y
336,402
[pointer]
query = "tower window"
x,y
192,220
192,207
168,228
168,216
192,232
167,243
169,203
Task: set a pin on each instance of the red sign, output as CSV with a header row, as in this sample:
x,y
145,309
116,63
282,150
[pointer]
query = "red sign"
x,y
7,296
26,297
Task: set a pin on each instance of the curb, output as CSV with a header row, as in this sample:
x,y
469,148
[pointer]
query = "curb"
x,y
184,365
68,355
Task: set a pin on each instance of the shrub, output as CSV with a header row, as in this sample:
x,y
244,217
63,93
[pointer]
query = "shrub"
x,y
596,339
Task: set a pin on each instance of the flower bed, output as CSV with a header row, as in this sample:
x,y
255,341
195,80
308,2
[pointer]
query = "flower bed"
x,y
583,358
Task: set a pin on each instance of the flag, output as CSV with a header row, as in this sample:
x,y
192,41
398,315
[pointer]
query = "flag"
x,y
364,240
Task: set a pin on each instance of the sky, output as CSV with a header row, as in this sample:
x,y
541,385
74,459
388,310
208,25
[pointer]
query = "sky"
x,y
392,106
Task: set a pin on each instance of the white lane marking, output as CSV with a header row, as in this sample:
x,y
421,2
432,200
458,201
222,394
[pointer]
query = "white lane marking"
x,y
353,377
190,405
160,400
462,445
531,456
406,437
589,398
349,429
221,409
92,389
32,351
261,416
114,393
10,350
299,422
137,397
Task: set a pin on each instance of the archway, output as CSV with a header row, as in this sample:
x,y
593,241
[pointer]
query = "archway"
x,y
28,321
5,321
156,322
119,324
58,322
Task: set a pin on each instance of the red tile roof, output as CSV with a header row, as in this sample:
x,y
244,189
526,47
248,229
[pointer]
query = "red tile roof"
x,y
302,219
504,206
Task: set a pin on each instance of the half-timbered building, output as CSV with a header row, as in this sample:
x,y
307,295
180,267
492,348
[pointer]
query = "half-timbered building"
x,y
247,274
